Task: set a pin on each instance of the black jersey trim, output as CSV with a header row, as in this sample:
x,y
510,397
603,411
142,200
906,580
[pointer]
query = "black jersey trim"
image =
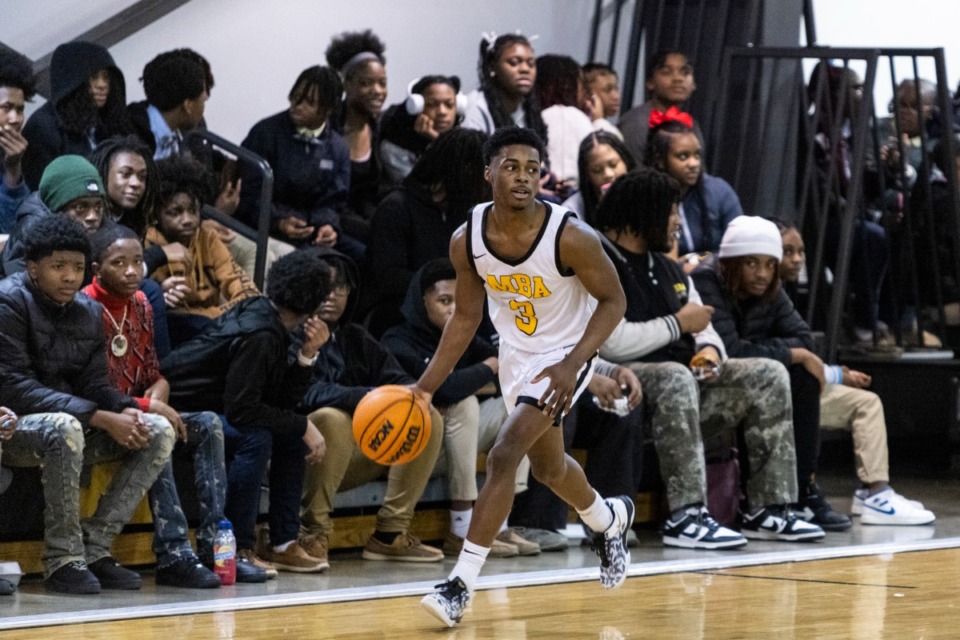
x,y
533,246
566,273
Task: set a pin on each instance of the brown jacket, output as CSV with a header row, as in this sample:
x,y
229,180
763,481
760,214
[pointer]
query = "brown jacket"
x,y
216,282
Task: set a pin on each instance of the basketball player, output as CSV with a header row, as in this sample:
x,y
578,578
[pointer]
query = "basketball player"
x,y
554,298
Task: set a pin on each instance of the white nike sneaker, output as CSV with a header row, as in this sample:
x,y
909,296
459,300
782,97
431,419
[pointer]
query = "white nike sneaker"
x,y
889,507
856,507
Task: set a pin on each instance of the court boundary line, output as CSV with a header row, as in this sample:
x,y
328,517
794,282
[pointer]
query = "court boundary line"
x,y
503,581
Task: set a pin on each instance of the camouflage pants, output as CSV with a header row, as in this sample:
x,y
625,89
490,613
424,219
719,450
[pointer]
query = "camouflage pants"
x,y
57,443
204,446
751,392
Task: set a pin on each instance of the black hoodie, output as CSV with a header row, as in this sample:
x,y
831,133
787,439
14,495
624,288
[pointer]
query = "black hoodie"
x,y
238,367
70,69
352,362
415,341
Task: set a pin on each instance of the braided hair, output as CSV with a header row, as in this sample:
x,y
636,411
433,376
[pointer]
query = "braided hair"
x,y
640,202
144,213
454,161
490,54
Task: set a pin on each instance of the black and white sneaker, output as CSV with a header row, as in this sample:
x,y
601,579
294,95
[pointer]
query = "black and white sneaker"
x,y
814,508
447,602
695,528
777,522
611,545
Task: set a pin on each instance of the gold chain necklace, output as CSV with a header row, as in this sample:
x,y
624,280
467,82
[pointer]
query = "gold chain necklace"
x,y
118,344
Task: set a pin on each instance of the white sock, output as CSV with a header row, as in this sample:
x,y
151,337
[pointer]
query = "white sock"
x,y
280,548
469,564
598,516
460,522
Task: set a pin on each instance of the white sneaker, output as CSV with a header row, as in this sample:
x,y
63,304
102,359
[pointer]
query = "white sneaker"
x,y
695,528
889,507
611,545
856,507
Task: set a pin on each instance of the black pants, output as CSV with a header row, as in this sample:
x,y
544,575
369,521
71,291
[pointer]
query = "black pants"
x,y
805,392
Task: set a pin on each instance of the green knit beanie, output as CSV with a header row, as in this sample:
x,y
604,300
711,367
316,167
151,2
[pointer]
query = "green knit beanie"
x,y
68,178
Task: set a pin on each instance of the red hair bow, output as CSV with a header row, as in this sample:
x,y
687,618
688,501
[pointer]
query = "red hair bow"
x,y
670,115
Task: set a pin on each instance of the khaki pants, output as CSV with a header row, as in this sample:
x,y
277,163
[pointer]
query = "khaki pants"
x,y
345,467
860,412
471,426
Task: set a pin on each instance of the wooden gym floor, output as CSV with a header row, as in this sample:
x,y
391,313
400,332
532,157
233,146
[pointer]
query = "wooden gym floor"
x,y
869,583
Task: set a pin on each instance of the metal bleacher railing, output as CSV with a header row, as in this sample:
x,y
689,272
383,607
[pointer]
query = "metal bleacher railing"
x,y
764,112
261,234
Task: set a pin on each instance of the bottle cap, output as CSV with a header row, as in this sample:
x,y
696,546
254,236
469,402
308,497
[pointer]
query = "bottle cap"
x,y
224,524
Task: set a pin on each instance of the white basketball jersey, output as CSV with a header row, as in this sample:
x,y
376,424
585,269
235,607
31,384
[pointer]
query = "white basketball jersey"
x,y
533,305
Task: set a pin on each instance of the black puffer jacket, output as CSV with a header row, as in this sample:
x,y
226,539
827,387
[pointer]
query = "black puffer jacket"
x,y
415,341
752,328
53,358
29,211
238,367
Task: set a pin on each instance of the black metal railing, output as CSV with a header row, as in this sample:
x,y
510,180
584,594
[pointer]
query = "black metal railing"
x,y
261,234
807,147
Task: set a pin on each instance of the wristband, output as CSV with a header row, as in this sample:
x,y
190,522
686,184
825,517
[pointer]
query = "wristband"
x,y
304,361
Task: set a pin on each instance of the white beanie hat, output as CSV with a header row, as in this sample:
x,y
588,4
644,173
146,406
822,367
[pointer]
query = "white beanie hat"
x,y
750,235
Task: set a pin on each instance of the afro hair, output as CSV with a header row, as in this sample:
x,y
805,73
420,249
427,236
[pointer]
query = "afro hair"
x,y
55,232
350,43
16,71
299,281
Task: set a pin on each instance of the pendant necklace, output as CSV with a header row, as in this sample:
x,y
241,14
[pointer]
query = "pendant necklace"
x,y
118,344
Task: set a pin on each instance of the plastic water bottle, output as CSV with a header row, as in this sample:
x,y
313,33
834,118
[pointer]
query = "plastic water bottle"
x,y
225,553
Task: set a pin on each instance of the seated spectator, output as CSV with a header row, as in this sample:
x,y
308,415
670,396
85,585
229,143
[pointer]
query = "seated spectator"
x,y
433,106
8,424
756,319
413,224
358,57
602,159
238,368
133,369
126,169
208,282
71,414
16,87
88,99
311,167
835,94
71,186
347,366
604,92
560,92
667,339
669,83
469,400
505,98
176,91
846,404
707,203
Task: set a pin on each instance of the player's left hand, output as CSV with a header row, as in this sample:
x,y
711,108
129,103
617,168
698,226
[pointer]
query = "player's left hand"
x,y
563,381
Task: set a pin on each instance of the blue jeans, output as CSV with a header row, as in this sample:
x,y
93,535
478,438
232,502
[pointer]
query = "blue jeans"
x,y
248,450
57,444
247,453
204,446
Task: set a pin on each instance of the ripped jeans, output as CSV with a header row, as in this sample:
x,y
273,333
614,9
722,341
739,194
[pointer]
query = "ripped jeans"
x,y
58,444
204,446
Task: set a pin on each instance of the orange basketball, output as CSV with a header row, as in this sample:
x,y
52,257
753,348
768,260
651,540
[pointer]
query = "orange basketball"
x,y
391,425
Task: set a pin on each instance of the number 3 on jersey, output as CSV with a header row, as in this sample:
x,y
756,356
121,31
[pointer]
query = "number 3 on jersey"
x,y
526,316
